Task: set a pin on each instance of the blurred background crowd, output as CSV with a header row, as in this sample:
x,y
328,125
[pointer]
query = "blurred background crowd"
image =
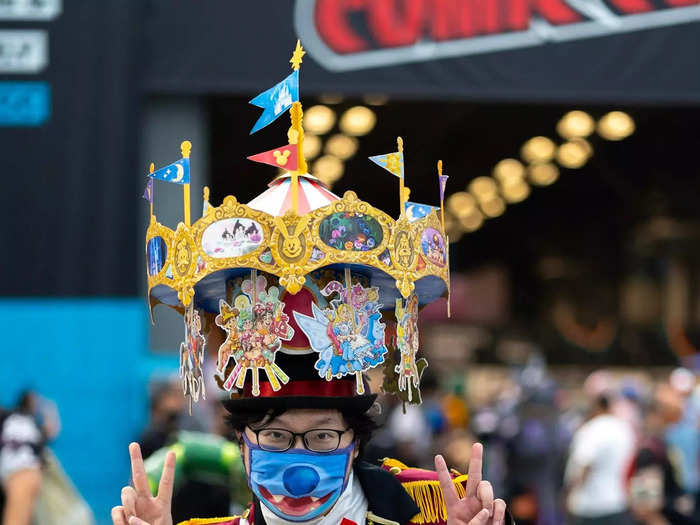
x,y
569,132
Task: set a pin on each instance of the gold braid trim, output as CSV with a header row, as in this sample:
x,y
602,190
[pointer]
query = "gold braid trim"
x,y
206,521
430,500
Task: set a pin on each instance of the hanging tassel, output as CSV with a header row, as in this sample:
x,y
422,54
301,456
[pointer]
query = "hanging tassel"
x,y
430,500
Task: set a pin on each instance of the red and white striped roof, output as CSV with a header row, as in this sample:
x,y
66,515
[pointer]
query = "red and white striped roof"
x,y
278,199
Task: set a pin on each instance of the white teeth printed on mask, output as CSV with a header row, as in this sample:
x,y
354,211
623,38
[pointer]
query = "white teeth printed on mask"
x,y
314,499
277,499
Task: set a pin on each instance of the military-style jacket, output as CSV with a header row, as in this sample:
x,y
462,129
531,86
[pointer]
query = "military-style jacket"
x,y
396,495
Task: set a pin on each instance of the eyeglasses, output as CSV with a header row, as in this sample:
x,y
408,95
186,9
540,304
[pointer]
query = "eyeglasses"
x,y
315,440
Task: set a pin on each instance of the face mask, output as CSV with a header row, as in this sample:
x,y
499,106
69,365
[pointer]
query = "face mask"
x,y
297,485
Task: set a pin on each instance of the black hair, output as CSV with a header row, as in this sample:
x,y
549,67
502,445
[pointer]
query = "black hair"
x,y
362,424
25,400
602,402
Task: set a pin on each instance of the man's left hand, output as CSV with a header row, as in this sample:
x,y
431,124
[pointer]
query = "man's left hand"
x,y
478,506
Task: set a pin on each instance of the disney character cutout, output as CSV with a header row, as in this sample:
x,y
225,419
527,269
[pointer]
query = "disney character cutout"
x,y
192,357
255,327
348,336
407,342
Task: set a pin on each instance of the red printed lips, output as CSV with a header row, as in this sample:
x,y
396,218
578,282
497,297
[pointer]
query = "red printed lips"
x,y
294,506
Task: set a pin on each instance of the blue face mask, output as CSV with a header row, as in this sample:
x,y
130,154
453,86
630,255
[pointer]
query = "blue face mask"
x,y
297,485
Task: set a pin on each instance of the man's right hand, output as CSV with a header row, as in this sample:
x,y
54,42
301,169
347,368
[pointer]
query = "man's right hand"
x,y
139,506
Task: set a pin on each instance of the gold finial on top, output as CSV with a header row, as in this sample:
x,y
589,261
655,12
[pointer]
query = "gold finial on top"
x,y
296,56
152,168
185,148
440,167
399,141
205,193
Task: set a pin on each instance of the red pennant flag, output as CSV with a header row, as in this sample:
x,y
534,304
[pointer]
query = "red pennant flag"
x,y
284,157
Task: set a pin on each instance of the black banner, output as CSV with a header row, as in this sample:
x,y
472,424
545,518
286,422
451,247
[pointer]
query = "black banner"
x,y
584,51
71,185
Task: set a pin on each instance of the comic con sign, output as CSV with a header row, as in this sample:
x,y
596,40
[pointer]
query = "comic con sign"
x,y
346,35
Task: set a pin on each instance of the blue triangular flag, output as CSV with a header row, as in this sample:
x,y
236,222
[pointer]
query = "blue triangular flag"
x,y
416,211
392,162
276,100
177,172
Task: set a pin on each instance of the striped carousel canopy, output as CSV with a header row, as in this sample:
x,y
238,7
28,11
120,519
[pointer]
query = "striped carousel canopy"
x,y
277,200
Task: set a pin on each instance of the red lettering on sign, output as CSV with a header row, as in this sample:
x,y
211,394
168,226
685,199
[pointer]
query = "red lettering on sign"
x,y
517,14
632,6
681,3
396,22
333,26
554,11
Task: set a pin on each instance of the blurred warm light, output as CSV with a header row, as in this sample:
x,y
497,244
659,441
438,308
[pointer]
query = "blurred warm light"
x,y
508,170
616,125
574,153
319,119
312,146
483,188
472,222
341,146
543,174
538,149
452,228
461,204
493,207
357,121
515,192
375,99
330,98
328,169
575,124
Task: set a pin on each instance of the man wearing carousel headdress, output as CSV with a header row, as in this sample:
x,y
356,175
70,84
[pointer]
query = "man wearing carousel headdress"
x,y
296,320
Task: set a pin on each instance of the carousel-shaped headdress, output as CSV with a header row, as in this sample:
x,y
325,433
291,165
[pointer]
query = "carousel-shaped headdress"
x,y
300,281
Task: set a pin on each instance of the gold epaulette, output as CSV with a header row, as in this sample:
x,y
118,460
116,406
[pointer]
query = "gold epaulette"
x,y
209,521
424,488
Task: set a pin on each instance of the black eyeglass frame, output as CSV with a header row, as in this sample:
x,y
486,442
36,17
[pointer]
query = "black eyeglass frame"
x,y
302,435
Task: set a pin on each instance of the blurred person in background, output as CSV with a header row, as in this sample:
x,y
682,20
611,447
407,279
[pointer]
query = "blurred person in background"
x,y
412,434
655,494
599,457
683,437
210,478
37,488
537,451
167,404
21,444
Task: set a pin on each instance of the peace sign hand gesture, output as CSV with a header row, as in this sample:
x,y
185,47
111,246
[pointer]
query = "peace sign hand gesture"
x,y
478,506
138,506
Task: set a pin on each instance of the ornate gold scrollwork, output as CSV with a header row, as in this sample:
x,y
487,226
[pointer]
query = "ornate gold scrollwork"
x,y
184,263
290,240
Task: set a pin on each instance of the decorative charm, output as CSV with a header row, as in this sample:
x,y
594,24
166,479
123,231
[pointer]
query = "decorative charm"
x,y
255,327
351,231
192,357
407,342
349,336
433,246
231,237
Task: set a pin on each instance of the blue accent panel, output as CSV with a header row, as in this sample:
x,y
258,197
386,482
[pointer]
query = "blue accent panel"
x,y
91,357
24,103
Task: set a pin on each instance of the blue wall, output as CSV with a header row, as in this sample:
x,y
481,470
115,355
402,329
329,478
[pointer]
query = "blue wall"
x,y
91,357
